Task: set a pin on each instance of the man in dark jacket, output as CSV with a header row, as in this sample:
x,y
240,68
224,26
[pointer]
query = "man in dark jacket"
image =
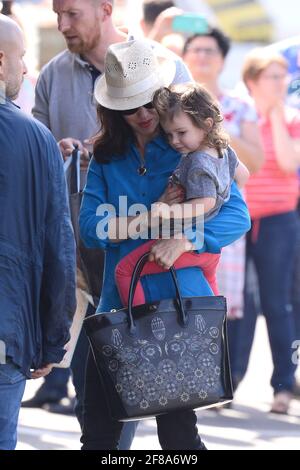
x,y
37,252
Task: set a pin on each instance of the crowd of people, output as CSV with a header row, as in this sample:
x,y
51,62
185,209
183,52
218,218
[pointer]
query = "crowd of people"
x,y
156,127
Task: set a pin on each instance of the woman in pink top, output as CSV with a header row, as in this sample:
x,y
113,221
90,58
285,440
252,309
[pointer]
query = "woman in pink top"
x,y
272,196
205,55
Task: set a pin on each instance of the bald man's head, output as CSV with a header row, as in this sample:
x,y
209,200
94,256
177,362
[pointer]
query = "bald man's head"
x,y
12,50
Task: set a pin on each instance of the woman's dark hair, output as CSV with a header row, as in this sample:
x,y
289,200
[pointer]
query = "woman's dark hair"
x,y
222,40
6,7
199,105
153,8
113,138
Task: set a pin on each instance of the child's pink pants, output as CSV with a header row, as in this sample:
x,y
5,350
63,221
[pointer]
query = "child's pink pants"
x,y
207,262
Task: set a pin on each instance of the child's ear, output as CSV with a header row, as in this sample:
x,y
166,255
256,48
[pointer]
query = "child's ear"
x,y
209,123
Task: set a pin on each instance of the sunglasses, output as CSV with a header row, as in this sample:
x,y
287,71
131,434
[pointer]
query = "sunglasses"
x,y
129,112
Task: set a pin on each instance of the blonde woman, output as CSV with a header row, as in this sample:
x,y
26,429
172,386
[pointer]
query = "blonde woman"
x,y
272,196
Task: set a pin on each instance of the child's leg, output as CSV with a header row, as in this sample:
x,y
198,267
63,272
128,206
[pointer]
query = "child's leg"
x,y
209,265
208,262
124,271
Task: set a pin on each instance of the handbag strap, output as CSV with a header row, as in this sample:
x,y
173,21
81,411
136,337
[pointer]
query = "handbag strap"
x,y
134,280
75,171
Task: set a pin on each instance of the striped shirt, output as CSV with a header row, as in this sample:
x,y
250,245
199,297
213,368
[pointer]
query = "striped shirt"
x,y
272,191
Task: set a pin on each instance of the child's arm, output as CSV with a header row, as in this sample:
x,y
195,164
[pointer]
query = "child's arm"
x,y
187,210
241,175
200,206
201,183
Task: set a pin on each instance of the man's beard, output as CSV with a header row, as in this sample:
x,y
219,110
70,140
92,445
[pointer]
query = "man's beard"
x,y
78,48
12,91
82,47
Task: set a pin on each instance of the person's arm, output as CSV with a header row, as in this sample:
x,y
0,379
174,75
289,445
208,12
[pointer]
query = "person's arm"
x,y
287,148
100,226
163,23
41,105
201,183
241,175
69,144
196,207
248,146
95,212
41,112
124,228
229,225
57,299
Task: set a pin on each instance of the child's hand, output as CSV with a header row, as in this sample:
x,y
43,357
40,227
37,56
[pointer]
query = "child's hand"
x,y
174,194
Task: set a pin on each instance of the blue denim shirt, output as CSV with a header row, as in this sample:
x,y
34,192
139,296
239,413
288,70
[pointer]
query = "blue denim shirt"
x,y
37,252
106,182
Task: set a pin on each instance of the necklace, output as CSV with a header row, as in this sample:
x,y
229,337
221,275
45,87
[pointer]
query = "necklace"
x,y
142,170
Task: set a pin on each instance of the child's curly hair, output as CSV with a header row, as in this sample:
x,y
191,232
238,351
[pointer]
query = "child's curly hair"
x,y
194,100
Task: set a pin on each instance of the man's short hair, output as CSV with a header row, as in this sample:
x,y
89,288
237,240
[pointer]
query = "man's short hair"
x,y
153,8
221,38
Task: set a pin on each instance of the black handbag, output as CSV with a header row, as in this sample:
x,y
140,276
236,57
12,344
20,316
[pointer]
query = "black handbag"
x,y
90,261
163,356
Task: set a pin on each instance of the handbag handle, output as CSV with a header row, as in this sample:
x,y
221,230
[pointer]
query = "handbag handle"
x,y
134,280
75,171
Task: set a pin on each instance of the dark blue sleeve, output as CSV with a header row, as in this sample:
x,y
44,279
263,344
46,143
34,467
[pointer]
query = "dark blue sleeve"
x,y
230,224
58,301
95,210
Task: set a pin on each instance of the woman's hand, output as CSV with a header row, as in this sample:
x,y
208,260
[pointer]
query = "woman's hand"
x,y
278,111
42,372
68,145
174,194
166,252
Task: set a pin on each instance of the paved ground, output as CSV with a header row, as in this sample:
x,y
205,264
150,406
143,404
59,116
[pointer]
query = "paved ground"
x,y
248,426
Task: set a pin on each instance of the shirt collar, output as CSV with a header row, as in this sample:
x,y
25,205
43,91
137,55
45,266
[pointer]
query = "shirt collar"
x,y
7,101
79,60
84,63
161,142
2,94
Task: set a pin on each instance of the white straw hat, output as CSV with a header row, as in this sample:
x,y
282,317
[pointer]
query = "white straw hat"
x,y
133,72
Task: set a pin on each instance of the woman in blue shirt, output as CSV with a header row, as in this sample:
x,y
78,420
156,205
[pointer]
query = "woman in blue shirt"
x,y
130,170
